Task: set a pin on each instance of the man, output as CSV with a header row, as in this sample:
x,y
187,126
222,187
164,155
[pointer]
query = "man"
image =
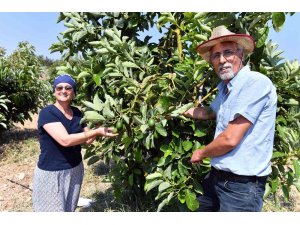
x,y
245,110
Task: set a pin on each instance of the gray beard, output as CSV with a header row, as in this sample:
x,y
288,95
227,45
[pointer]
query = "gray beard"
x,y
226,76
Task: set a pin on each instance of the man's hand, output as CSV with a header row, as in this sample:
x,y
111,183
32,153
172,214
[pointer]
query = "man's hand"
x,y
200,113
197,156
189,113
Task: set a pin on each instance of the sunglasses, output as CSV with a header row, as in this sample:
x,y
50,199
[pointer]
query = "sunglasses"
x,y
67,88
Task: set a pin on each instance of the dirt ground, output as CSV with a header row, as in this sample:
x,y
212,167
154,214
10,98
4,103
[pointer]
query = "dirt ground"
x,y
16,173
15,187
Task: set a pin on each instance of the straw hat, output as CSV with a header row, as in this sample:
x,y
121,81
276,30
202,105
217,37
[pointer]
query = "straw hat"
x,y
221,34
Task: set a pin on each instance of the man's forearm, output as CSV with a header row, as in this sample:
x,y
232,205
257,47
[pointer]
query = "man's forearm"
x,y
220,146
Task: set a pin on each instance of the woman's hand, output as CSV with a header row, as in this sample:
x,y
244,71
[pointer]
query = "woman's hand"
x,y
106,131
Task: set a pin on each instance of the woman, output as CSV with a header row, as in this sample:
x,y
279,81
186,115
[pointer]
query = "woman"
x,y
59,172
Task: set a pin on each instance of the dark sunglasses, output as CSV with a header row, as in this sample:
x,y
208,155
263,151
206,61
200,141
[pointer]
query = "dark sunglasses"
x,y
67,88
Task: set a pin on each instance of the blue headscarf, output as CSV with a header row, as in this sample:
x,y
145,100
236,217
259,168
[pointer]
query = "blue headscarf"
x,y
64,78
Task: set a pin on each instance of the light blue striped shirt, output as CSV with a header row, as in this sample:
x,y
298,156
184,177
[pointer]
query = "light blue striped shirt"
x,y
252,95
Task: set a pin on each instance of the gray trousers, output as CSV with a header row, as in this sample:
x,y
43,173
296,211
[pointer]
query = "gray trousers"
x,y
57,191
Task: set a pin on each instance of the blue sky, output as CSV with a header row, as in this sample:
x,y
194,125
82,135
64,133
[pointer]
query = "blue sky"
x,y
41,30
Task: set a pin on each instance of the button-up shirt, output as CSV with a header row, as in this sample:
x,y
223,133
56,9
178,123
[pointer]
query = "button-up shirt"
x,y
253,96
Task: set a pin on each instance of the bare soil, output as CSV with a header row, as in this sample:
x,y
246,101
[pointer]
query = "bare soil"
x,y
18,157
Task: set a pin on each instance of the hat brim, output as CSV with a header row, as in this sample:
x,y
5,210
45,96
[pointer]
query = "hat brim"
x,y
246,41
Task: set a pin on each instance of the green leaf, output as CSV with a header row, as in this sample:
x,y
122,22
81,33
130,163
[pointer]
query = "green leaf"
x,y
199,133
292,101
161,161
170,196
164,103
163,186
175,133
187,145
153,176
108,113
130,179
191,200
97,79
69,25
162,204
126,140
262,36
267,190
182,169
277,155
168,172
200,37
3,125
143,110
110,100
296,165
278,19
148,141
151,185
182,109
95,43
97,102
93,159
164,148
138,156
144,127
197,187
125,118
102,51
137,120
274,184
161,130
200,15
281,119
91,105
93,116
83,74
181,196
285,191
79,35
129,64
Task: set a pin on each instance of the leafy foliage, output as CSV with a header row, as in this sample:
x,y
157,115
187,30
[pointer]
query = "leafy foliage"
x,y
144,86
3,107
21,84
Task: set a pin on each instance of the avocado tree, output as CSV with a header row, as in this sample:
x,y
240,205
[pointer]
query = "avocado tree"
x,y
21,88
141,87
